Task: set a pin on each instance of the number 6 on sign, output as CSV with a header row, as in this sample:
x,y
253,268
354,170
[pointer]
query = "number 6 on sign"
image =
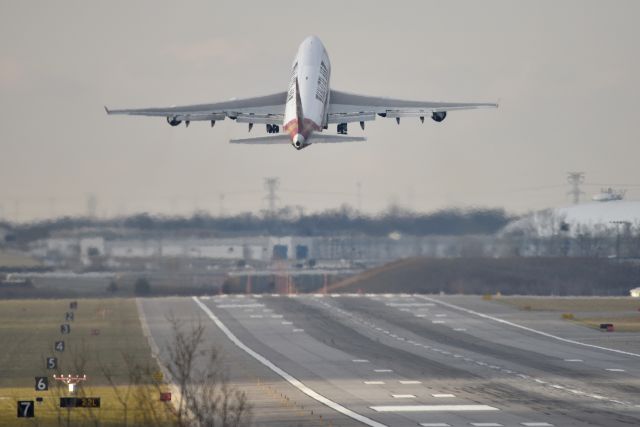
x,y
42,383
25,409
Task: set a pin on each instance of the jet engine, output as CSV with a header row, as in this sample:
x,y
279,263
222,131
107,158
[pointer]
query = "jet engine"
x,y
439,116
173,121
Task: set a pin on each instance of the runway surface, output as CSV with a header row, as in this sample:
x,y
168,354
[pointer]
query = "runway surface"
x,y
412,360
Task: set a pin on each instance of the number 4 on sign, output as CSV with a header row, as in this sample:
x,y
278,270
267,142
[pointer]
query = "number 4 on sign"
x,y
59,346
25,409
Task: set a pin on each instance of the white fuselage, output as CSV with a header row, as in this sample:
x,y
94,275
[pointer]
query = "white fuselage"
x,y
308,101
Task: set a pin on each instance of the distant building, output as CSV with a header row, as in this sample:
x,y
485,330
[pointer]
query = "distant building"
x,y
582,218
635,293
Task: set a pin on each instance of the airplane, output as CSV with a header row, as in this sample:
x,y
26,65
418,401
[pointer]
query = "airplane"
x,y
307,108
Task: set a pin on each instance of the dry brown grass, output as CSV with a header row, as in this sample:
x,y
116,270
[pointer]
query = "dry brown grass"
x,y
573,304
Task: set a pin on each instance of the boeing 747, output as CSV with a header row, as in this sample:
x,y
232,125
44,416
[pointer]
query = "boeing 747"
x,y
307,108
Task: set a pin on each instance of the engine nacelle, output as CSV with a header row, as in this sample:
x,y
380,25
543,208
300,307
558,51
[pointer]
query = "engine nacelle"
x,y
173,121
439,116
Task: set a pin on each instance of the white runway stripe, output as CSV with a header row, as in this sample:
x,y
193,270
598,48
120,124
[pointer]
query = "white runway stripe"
x,y
432,408
535,331
290,379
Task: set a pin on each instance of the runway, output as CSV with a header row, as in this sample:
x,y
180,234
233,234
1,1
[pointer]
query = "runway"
x,y
412,360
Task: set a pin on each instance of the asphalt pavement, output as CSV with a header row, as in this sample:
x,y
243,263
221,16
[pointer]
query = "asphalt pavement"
x,y
411,360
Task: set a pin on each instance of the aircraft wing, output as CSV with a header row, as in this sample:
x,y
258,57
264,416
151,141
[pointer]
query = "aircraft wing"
x,y
346,107
268,109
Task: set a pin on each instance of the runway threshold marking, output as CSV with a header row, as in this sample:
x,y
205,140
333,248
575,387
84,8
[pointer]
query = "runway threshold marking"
x,y
432,408
535,331
286,376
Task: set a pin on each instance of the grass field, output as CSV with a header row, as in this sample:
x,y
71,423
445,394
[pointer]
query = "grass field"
x,y
102,332
570,304
592,311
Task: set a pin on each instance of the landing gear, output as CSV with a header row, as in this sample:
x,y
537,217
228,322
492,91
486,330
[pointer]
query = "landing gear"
x,y
342,129
273,129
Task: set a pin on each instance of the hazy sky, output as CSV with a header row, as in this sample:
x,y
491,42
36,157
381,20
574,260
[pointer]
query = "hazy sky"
x,y
566,74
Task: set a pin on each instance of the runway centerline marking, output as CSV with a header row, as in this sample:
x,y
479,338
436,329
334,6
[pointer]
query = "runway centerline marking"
x,y
573,360
360,361
486,425
435,425
442,395
615,370
403,396
374,382
535,331
432,408
382,370
410,382
286,376
537,424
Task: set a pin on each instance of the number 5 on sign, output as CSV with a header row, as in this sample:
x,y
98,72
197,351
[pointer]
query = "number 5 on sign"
x,y
52,362
25,409
42,383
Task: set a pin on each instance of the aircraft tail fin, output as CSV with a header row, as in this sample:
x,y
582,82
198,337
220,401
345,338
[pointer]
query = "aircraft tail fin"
x,y
299,112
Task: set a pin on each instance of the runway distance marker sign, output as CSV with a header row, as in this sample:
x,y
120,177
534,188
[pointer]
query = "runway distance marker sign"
x,y
25,409
42,383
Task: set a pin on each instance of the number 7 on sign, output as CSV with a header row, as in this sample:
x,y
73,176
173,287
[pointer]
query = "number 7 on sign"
x,y
25,409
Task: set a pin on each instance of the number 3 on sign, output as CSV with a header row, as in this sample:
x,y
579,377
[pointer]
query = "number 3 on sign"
x,y
42,383
25,409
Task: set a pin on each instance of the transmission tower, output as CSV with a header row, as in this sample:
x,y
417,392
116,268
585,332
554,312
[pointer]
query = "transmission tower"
x,y
575,179
271,185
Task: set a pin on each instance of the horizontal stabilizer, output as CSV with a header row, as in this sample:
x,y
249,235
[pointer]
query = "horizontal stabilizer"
x,y
264,140
316,138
